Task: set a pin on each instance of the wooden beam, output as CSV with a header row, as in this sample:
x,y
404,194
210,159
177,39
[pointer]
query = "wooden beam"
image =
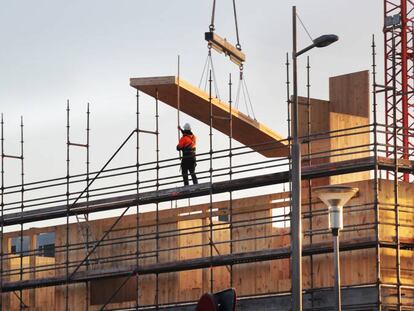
x,y
221,45
195,103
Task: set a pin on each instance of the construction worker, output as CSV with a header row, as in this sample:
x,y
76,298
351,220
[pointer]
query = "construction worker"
x,y
187,145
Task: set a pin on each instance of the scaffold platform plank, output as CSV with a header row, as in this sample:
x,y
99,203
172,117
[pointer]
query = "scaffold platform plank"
x,y
195,102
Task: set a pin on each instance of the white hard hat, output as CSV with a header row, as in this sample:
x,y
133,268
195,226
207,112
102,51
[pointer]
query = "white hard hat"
x,y
187,127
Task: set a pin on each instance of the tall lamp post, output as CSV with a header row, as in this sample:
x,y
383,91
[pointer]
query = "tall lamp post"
x,y
335,197
296,224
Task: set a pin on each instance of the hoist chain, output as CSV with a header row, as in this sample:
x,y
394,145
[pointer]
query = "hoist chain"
x,y
241,71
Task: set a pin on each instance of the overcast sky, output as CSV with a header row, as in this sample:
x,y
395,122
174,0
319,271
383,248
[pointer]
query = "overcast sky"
x,y
86,51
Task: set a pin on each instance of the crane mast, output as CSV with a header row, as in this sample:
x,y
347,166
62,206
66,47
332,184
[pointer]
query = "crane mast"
x,y
399,79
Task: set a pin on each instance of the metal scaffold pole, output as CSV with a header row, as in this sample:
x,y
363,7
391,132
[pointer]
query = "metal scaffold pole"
x,y
67,205
21,250
230,218
211,181
178,95
309,163
82,221
22,305
2,248
87,287
289,138
157,187
137,233
375,183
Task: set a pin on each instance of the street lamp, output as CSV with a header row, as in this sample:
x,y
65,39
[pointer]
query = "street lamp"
x,y
335,197
296,223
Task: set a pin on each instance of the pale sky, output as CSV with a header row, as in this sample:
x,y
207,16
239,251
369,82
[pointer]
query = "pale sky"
x,y
86,51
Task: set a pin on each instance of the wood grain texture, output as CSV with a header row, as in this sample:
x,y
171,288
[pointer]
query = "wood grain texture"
x,y
250,214
328,121
195,102
349,94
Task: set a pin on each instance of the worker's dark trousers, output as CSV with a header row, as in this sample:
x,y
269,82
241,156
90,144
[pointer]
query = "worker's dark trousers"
x,y
188,165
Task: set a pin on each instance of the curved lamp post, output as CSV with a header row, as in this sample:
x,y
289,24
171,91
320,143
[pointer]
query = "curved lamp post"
x,y
335,197
296,223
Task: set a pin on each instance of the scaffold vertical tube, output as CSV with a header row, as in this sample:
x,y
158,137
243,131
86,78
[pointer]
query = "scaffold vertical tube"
x,y
309,160
87,196
157,186
22,305
231,174
2,211
137,209
211,181
375,183
67,206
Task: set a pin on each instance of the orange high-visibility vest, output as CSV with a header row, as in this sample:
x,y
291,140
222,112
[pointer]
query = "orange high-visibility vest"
x,y
187,143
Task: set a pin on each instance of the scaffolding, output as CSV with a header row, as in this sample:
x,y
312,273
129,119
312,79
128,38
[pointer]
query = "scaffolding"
x,y
150,242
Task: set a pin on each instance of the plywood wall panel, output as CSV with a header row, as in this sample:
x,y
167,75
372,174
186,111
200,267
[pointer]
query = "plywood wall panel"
x,y
349,93
251,223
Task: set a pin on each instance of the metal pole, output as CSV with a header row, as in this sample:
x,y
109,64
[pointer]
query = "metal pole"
x,y
376,200
67,205
337,281
137,234
231,174
2,248
396,177
22,305
309,163
87,287
210,97
157,152
178,99
296,226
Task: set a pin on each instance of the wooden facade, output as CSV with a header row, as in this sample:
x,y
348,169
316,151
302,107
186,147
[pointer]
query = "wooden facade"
x,y
337,129
372,223
183,235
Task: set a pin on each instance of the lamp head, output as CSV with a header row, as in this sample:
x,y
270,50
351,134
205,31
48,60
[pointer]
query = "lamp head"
x,y
325,40
335,197
319,42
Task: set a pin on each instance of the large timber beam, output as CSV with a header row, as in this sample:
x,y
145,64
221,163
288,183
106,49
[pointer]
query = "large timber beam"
x,y
196,103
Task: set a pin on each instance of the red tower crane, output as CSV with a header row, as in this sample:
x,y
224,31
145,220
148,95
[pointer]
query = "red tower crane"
x,y
399,78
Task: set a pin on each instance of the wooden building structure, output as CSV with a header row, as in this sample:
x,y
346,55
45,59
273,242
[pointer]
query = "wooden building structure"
x,y
166,258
